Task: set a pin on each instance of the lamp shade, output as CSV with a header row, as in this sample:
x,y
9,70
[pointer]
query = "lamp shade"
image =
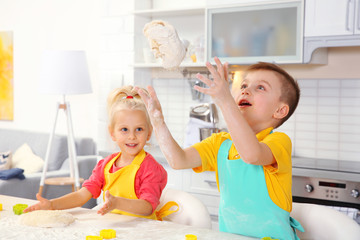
x,y
64,72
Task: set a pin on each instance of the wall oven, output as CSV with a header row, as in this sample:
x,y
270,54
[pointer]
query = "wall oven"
x,y
328,182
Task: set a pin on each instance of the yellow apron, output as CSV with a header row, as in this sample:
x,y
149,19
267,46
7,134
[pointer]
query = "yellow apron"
x,y
122,184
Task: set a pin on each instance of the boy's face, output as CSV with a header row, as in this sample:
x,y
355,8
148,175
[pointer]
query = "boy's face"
x,y
131,131
259,99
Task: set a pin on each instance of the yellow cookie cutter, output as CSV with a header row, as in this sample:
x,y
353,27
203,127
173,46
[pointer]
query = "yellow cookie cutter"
x,y
190,237
108,233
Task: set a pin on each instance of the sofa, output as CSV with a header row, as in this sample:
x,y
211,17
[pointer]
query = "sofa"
x,y
58,166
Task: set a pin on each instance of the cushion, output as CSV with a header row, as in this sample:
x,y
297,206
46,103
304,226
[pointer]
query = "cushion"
x,y
5,160
24,158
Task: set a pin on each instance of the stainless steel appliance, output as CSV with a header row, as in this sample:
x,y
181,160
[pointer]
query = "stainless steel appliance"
x,y
327,182
206,112
207,132
204,115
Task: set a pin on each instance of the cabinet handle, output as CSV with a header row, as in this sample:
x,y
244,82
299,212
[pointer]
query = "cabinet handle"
x,y
211,183
347,15
358,15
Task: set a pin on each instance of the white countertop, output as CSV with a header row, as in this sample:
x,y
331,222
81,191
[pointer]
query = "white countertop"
x,y
88,222
326,169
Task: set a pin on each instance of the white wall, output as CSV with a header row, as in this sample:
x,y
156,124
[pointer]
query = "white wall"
x,y
38,25
115,59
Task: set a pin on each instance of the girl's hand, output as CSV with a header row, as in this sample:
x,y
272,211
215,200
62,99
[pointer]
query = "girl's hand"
x,y
109,204
153,106
218,88
43,204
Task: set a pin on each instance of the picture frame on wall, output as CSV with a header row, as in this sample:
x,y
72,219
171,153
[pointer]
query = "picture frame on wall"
x,y
6,76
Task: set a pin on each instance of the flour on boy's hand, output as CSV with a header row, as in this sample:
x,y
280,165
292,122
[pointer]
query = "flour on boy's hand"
x,y
47,218
165,43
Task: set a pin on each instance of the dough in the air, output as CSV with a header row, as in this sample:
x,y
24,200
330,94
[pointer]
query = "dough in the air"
x,y
47,218
165,43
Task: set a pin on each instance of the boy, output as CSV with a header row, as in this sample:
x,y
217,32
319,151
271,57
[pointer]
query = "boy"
x,y
252,164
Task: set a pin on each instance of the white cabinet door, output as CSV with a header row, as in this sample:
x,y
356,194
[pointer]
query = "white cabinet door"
x,y
175,178
329,17
271,32
202,183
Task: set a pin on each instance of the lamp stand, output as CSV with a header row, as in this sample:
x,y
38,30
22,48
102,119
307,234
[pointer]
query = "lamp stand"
x,y
74,171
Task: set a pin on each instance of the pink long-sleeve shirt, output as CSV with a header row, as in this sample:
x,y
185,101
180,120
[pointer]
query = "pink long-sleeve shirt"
x,y
150,179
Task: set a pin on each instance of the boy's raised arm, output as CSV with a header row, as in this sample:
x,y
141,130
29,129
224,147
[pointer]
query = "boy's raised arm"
x,y
177,157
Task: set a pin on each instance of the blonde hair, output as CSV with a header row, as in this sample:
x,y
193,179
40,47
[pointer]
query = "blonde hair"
x,y
125,97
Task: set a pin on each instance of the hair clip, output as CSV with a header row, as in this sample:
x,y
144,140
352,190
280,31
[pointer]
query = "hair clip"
x,y
125,97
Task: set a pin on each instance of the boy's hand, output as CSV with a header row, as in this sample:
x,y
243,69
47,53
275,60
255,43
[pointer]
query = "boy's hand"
x,y
218,88
153,106
109,204
43,204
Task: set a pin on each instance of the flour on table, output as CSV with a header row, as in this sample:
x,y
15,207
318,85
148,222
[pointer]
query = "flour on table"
x,y
165,43
47,218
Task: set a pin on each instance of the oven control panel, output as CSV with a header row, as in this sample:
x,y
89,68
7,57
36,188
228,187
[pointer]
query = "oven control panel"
x,y
326,189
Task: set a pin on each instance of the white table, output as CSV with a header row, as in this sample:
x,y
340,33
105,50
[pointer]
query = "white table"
x,y
88,222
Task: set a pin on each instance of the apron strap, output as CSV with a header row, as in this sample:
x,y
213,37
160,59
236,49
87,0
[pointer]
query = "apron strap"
x,y
165,210
139,158
296,226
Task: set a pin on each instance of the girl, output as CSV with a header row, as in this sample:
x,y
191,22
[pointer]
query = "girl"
x,y
131,179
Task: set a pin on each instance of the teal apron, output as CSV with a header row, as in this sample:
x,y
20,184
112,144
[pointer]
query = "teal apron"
x,y
245,205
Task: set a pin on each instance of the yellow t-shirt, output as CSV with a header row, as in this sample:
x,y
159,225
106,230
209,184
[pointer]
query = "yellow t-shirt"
x,y
278,180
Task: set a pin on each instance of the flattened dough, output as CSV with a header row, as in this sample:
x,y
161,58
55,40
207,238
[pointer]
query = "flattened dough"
x,y
47,218
165,43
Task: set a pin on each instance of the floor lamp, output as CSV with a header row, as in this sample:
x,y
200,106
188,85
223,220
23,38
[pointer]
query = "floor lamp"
x,y
64,73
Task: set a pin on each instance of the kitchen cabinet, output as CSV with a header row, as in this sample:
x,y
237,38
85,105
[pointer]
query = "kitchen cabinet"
x,y
175,177
318,24
332,17
195,24
248,33
203,186
330,23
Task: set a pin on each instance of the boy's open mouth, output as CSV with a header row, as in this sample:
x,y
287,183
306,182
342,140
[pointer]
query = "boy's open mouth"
x,y
244,103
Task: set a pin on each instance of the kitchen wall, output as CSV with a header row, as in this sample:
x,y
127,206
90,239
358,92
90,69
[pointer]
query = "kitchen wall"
x,y
327,122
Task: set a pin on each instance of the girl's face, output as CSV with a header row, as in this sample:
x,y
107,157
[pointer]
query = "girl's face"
x,y
130,131
259,99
